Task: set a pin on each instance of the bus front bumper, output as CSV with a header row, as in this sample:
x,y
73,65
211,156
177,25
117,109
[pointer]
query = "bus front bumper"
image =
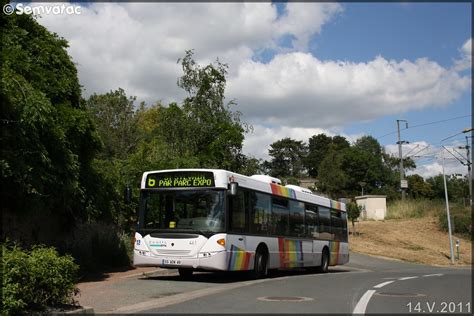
x,y
216,261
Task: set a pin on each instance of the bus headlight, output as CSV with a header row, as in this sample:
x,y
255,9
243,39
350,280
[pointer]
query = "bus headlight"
x,y
144,253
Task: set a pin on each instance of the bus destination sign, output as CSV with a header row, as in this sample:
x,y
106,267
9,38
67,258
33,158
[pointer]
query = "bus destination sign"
x,y
183,179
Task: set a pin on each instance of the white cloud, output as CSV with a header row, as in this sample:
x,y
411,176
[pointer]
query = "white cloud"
x,y
258,142
297,89
136,46
466,57
302,21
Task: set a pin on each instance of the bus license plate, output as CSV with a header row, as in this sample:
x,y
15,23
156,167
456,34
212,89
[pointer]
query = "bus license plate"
x,y
171,262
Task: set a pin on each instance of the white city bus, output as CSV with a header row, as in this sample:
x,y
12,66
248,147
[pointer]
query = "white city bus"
x,y
216,220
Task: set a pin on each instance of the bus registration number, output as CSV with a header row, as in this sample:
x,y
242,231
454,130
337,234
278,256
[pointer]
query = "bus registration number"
x,y
171,262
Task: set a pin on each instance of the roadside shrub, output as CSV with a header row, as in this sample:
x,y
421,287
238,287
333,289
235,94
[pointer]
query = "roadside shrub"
x,y
36,279
461,220
98,246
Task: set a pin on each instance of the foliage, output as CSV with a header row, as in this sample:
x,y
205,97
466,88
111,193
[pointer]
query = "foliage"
x,y
48,140
418,187
332,178
461,220
287,158
36,279
113,113
353,212
318,146
98,246
250,166
458,188
215,132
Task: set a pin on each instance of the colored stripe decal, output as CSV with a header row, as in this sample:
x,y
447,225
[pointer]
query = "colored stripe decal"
x,y
239,259
291,253
335,204
334,249
282,191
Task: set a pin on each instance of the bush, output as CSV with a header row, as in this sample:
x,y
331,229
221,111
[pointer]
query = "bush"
x,y
98,246
461,220
36,279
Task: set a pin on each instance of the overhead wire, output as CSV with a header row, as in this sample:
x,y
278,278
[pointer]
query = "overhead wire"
x,y
424,124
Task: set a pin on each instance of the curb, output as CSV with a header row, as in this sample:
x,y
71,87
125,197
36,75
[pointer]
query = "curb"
x,y
152,273
82,310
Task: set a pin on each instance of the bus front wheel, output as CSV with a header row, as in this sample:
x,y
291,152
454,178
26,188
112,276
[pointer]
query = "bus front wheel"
x,y
185,273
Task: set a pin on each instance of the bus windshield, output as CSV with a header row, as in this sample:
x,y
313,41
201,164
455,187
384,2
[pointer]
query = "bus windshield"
x,y
199,210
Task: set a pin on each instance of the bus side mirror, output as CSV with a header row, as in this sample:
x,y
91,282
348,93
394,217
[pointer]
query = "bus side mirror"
x,y
233,187
127,196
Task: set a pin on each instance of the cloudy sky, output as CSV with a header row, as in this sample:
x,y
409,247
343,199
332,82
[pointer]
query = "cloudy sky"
x,y
295,69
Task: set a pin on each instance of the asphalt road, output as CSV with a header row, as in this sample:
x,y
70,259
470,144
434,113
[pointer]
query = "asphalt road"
x,y
366,285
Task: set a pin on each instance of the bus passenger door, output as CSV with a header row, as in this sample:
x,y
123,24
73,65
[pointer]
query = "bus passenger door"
x,y
239,254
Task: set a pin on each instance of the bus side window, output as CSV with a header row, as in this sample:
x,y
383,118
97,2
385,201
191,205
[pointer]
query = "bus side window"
x,y
297,219
280,217
336,224
237,207
325,231
259,213
344,226
311,221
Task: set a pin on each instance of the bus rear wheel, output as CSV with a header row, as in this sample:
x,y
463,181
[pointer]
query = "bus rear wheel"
x,y
185,273
260,268
324,267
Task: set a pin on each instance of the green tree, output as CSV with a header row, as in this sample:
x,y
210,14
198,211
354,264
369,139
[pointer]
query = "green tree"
x,y
458,188
250,166
318,147
114,115
215,132
287,158
364,163
332,177
353,213
47,141
418,187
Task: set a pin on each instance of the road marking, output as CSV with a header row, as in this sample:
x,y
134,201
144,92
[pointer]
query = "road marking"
x,y
378,286
430,275
408,278
362,304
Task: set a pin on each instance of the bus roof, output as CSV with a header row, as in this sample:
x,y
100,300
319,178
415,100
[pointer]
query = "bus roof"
x,y
218,178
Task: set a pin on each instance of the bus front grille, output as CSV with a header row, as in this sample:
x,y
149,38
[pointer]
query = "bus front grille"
x,y
173,252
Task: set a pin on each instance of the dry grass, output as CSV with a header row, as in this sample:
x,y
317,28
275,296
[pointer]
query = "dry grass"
x,y
414,208
415,240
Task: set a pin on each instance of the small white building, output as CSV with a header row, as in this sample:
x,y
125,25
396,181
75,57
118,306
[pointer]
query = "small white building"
x,y
373,206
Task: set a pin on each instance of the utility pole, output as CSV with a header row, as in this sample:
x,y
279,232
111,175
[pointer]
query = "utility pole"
x,y
469,170
403,184
451,252
469,162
